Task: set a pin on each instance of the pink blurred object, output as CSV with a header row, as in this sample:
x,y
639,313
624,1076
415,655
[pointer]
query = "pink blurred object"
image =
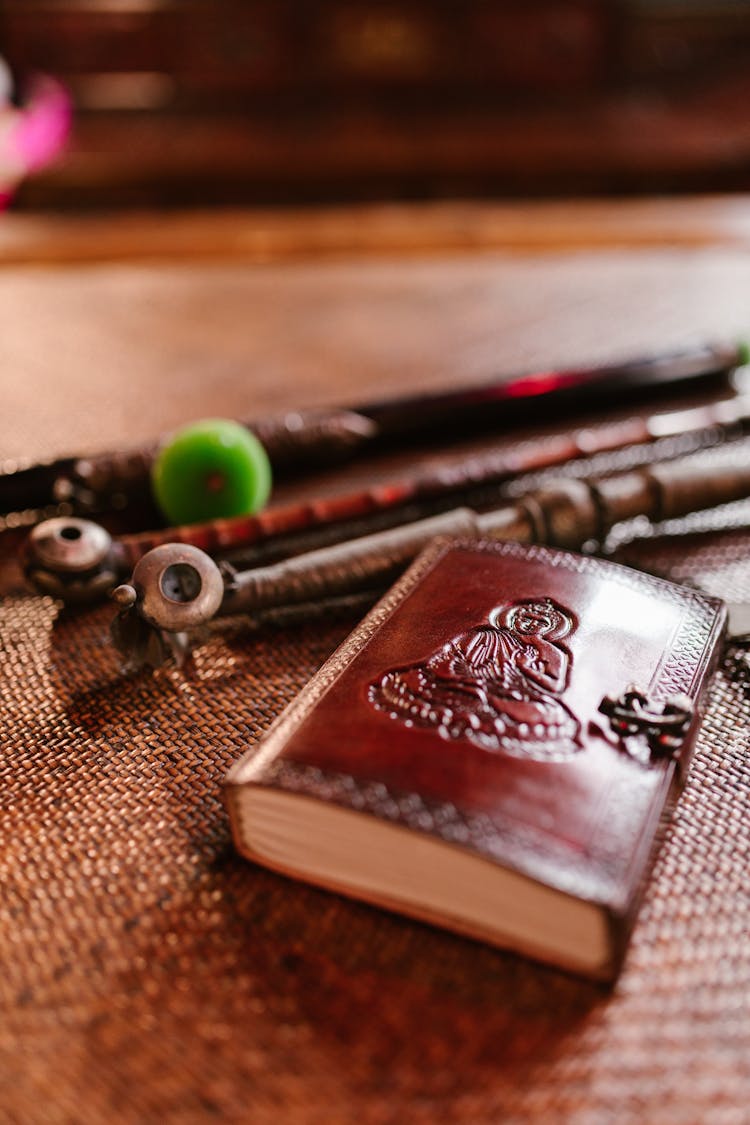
x,y
43,125
33,134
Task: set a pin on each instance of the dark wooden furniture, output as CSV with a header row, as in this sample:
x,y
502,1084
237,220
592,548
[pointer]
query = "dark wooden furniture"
x,y
194,101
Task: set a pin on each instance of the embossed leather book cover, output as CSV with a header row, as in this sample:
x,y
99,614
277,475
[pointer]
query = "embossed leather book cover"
x,y
492,749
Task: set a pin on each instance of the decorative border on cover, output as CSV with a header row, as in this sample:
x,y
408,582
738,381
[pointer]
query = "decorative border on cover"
x,y
485,835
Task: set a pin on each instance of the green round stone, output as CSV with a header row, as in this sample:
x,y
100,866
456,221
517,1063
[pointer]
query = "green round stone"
x,y
210,469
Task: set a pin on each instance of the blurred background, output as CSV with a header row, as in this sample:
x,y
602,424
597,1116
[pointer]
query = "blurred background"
x,y
194,102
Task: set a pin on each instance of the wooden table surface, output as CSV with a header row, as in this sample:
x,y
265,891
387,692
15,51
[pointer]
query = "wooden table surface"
x,y
135,323
151,976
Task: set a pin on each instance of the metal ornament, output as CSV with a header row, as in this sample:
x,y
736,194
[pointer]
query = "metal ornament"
x,y
663,723
174,590
72,559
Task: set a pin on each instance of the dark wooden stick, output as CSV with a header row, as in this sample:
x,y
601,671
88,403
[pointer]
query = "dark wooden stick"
x,y
304,439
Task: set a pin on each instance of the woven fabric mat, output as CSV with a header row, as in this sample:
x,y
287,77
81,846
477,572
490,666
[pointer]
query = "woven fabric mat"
x,y
150,975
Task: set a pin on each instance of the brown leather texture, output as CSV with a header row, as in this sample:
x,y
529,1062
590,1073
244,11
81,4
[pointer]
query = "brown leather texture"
x,y
149,973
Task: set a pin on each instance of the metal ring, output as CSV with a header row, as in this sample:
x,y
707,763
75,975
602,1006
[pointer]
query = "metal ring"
x,y
178,587
69,545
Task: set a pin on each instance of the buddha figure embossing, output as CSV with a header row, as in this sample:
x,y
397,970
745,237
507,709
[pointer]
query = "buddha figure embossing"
x,y
497,686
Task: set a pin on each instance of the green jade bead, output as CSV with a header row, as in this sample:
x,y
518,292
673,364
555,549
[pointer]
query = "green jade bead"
x,y
211,469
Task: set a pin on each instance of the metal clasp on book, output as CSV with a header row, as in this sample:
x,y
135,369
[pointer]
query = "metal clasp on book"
x,y
737,653
663,723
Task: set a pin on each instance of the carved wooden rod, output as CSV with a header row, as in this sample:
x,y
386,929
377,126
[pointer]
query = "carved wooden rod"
x,y
177,588
667,435
308,439
567,514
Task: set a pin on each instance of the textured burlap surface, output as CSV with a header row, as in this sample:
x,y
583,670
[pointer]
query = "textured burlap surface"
x,y
150,975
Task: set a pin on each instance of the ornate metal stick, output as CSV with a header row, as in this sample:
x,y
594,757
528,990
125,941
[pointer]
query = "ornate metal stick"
x,y
175,588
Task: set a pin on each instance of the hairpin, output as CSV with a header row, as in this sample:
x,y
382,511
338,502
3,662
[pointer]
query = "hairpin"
x,y
176,588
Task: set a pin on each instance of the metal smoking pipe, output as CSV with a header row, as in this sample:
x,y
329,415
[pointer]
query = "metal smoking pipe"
x,y
176,589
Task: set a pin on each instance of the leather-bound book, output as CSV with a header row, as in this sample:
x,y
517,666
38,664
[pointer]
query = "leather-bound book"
x,y
492,749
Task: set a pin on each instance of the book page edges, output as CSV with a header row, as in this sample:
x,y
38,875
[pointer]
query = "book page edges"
x,y
431,879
